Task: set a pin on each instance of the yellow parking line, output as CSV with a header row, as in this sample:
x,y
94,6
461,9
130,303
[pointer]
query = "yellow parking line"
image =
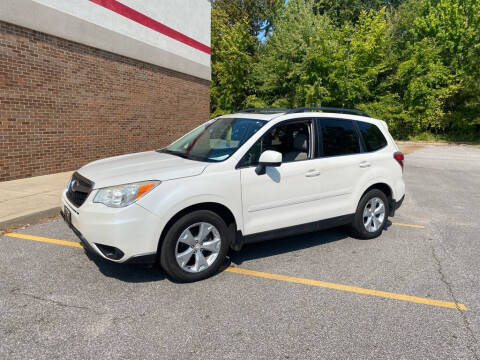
x,y
291,279
409,225
45,240
354,289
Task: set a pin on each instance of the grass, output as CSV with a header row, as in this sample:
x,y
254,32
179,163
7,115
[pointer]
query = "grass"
x,y
471,138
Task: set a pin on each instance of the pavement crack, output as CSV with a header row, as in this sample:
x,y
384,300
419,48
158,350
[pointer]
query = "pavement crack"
x,y
55,302
443,279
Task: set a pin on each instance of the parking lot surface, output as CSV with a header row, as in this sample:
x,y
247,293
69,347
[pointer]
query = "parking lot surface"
x,y
413,293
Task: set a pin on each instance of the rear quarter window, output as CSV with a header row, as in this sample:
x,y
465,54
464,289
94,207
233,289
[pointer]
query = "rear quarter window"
x,y
372,136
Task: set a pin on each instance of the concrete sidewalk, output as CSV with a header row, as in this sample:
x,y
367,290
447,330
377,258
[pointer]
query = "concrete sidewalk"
x,y
28,200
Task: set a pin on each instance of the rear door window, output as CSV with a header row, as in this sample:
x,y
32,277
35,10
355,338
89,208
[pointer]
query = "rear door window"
x,y
339,137
372,136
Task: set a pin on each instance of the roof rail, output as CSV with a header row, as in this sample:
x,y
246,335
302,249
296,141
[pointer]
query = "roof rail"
x,y
328,109
264,110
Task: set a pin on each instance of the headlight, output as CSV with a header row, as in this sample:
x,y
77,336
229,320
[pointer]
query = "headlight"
x,y
124,195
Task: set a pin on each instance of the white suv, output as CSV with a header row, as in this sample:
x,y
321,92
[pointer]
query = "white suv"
x,y
240,178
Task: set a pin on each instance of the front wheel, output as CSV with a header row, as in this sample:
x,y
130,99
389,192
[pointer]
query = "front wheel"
x,y
195,246
371,215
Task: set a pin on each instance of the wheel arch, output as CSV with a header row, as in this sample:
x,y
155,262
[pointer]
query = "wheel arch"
x,y
221,210
386,189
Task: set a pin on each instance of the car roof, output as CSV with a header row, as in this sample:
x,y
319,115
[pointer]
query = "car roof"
x,y
266,117
286,116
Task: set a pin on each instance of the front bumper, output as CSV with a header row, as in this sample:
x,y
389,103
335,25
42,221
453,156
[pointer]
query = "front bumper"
x,y
125,235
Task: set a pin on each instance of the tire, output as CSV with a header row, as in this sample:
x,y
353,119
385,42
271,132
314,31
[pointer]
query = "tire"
x,y
366,227
186,237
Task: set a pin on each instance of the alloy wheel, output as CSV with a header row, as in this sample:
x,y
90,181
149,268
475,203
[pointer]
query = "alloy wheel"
x,y
198,247
374,214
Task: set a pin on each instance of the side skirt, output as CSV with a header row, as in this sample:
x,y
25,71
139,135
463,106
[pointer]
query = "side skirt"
x,y
292,230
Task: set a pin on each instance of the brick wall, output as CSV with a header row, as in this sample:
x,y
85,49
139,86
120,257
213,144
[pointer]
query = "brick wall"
x,y
63,104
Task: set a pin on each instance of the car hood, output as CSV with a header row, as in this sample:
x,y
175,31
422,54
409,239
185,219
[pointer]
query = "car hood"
x,y
150,165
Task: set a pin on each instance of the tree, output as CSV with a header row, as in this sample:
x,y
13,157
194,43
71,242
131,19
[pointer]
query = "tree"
x,y
454,26
259,13
413,63
308,62
280,68
349,10
233,56
437,48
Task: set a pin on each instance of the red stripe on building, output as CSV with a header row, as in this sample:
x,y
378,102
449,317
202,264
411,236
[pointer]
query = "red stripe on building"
x,y
144,20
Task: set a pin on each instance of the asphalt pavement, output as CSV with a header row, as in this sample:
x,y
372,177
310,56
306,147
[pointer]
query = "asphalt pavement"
x,y
413,293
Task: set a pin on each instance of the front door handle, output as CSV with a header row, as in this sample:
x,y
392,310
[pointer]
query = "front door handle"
x,y
312,173
365,164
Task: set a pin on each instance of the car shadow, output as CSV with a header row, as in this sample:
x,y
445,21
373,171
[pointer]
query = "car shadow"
x,y
131,273
286,245
135,273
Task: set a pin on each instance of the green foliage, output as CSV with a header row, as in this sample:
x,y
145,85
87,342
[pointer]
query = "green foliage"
x,y
280,67
233,57
436,43
259,13
415,64
349,10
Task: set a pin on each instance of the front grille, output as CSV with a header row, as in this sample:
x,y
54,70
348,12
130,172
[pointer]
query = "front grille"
x,y
79,189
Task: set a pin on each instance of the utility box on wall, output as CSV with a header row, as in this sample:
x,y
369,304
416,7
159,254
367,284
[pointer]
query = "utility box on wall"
x,y
86,79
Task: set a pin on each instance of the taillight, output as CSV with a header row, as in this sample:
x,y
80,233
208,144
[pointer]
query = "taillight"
x,y
399,157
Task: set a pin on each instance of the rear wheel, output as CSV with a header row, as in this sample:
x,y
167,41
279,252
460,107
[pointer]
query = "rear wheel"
x,y
371,215
195,246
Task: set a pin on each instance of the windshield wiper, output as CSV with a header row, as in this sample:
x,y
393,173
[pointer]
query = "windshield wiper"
x,y
182,155
176,153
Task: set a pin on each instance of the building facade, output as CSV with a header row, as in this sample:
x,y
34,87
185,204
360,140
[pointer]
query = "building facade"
x,y
87,79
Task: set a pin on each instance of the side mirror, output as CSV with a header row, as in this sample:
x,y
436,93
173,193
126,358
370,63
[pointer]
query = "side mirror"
x,y
268,158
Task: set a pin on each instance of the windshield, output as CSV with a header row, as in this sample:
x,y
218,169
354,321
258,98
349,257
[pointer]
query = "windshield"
x,y
216,140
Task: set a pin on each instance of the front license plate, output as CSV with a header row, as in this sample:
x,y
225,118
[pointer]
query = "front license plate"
x,y
68,215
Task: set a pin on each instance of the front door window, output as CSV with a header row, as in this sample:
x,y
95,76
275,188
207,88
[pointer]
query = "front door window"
x,y
291,139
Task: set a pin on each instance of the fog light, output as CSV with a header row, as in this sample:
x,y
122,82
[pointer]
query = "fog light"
x,y
110,252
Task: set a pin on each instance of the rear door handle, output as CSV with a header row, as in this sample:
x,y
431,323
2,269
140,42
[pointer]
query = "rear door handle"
x,y
312,173
365,164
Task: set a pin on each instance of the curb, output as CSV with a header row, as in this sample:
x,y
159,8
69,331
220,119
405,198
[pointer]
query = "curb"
x,y
28,219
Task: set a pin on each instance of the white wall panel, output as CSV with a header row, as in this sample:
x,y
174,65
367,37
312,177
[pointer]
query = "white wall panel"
x,y
191,18
88,23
